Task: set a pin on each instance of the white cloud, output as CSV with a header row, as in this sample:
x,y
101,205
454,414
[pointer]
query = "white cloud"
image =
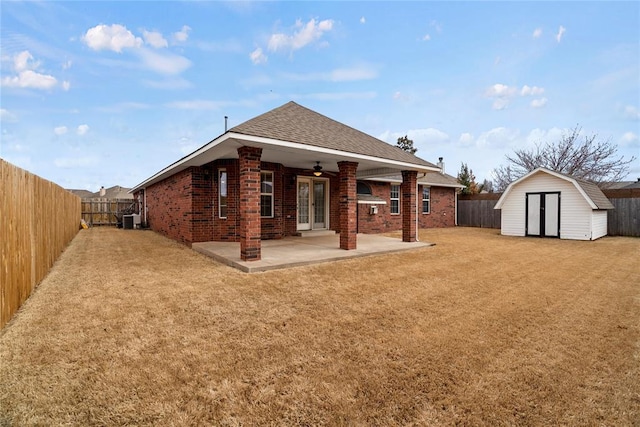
x,y
163,62
561,32
155,39
110,37
363,20
426,38
336,96
501,95
353,74
501,91
499,137
168,84
60,130
466,139
195,105
258,57
27,77
30,79
182,35
75,162
534,91
67,65
397,95
24,61
630,139
537,33
66,85
306,34
7,116
500,103
541,136
82,130
539,103
356,73
631,112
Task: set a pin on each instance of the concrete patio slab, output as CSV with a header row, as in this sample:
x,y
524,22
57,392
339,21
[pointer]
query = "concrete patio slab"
x,y
298,251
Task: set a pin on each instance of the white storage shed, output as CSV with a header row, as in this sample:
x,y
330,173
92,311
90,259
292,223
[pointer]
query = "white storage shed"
x,y
544,203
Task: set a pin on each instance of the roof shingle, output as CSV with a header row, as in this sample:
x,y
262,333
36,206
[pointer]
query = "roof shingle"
x,y
294,123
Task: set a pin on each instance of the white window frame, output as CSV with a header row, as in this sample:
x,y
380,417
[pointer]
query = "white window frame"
x,y
267,194
391,198
226,195
426,199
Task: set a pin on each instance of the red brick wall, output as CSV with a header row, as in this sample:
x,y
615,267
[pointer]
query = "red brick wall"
x,y
184,207
348,205
249,206
408,198
225,229
169,206
442,212
443,208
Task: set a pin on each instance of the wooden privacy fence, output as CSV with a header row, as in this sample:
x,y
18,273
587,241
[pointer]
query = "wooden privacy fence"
x,y
477,210
102,211
37,221
624,220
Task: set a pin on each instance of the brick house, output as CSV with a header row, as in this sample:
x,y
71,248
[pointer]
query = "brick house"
x,y
293,170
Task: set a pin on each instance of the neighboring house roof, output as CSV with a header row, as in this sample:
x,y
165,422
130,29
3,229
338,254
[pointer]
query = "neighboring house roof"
x,y
634,184
84,194
438,179
590,191
294,123
615,185
298,137
115,192
433,179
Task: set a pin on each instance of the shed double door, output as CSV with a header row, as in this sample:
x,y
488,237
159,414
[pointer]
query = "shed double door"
x,y
543,214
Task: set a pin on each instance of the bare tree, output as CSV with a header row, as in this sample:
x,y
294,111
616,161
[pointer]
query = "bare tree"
x,y
589,159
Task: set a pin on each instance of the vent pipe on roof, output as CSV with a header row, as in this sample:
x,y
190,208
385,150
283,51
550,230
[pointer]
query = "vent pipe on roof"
x,y
441,165
225,123
103,192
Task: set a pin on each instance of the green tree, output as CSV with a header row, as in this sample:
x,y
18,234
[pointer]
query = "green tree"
x,y
468,179
406,144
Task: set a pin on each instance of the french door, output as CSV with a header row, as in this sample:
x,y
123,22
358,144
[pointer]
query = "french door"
x,y
543,214
313,203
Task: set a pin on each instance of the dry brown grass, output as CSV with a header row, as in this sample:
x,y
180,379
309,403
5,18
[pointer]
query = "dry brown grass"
x,y
130,328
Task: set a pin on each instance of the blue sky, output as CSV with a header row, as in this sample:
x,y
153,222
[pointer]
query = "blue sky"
x,y
108,93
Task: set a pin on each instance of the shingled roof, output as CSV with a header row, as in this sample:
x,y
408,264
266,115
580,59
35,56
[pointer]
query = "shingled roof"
x,y
292,122
589,190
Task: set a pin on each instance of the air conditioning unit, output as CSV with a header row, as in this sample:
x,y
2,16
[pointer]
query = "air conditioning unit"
x,y
129,222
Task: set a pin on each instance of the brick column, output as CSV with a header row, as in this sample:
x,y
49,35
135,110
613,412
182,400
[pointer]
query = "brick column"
x,y
408,191
348,205
250,225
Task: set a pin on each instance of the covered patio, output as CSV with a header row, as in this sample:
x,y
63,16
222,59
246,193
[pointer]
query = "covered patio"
x,y
297,251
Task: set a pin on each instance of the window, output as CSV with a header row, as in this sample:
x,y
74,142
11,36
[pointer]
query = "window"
x,y
363,188
222,193
266,194
395,199
426,198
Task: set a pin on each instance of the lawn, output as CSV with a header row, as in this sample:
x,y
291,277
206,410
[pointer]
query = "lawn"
x,y
130,328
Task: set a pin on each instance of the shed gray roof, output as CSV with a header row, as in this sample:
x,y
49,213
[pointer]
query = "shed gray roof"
x,y
294,123
590,191
594,193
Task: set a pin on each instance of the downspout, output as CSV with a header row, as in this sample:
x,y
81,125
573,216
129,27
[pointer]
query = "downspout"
x,y
455,195
144,195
